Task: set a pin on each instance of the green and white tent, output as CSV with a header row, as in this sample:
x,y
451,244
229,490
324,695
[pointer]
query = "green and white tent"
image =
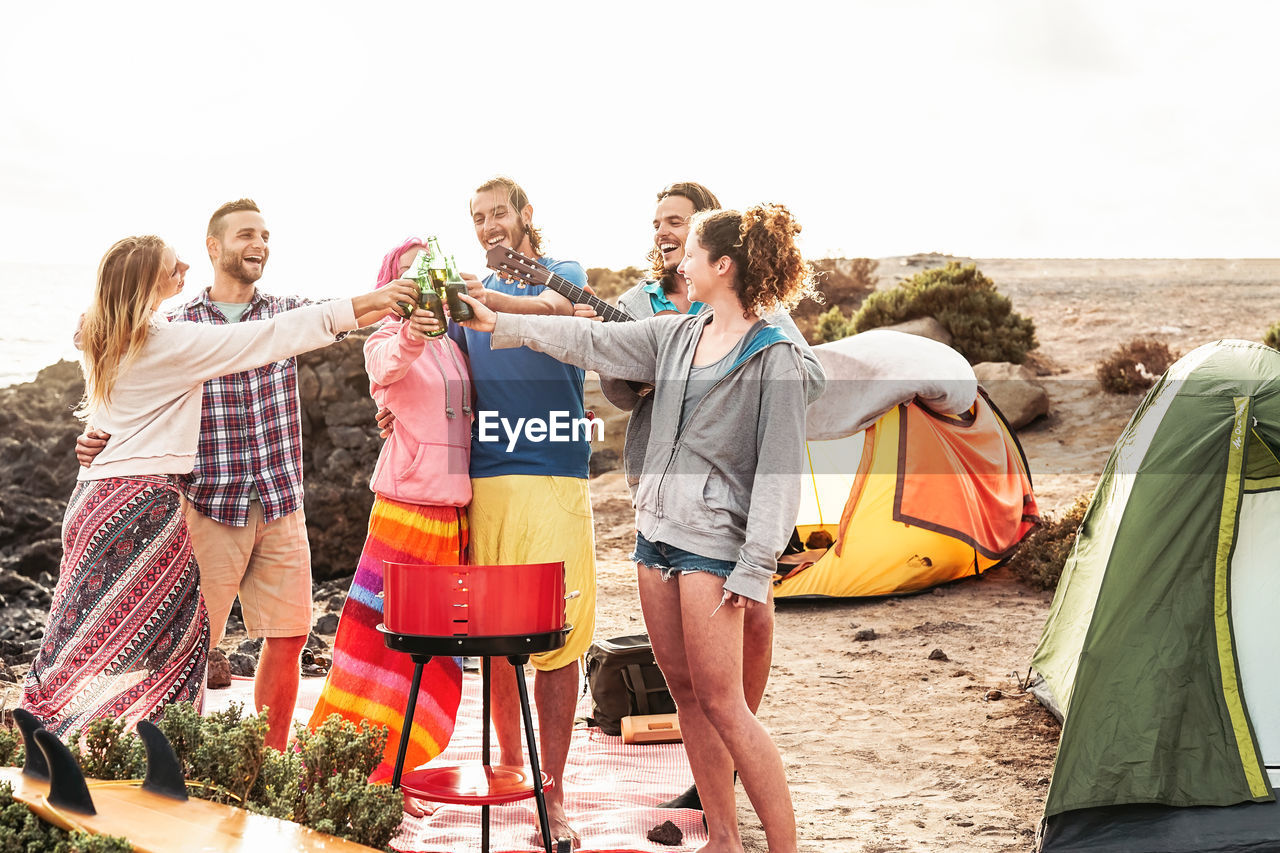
x,y
1161,650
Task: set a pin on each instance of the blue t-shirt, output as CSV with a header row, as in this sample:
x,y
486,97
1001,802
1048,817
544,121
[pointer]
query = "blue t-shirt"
x,y
512,384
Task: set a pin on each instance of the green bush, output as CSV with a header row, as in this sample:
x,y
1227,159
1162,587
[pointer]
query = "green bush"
x,y
1039,559
843,282
1134,367
1272,337
11,751
103,753
832,326
320,781
980,319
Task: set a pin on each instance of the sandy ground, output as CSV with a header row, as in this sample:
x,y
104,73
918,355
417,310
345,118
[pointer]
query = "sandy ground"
x,y
886,749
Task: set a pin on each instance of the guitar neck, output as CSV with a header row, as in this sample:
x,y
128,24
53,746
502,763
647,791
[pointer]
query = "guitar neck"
x,y
576,295
510,264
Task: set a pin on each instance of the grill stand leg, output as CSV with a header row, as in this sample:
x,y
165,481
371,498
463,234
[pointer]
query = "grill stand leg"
x,y
418,662
517,663
484,747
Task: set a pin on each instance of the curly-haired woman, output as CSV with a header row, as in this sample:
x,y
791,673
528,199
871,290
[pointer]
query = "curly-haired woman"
x,y
719,488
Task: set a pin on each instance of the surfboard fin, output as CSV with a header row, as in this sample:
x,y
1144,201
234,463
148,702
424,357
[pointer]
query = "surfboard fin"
x,y
35,766
67,788
164,773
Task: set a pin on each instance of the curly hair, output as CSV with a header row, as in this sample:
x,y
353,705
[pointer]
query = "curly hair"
x,y
702,199
518,199
115,327
761,242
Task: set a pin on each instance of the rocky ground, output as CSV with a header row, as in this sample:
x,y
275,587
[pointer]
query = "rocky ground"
x,y
901,720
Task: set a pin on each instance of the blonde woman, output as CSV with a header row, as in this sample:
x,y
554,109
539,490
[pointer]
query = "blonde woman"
x,y
719,486
128,632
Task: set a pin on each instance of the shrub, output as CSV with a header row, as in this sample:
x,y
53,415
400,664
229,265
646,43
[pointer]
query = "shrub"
x,y
321,781
11,751
1135,366
832,326
980,319
1039,559
103,753
843,283
1272,337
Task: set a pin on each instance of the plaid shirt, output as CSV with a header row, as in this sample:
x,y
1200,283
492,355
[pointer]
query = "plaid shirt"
x,y
250,427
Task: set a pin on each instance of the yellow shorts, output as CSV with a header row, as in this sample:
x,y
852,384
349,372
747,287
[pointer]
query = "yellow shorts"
x,y
522,518
267,565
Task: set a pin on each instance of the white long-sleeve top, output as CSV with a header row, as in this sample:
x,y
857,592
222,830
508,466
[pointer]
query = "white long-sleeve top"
x,y
153,415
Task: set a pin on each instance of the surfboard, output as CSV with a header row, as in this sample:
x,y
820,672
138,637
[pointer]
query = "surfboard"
x,y
157,818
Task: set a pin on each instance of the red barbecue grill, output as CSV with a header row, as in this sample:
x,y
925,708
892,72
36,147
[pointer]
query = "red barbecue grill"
x,y
509,610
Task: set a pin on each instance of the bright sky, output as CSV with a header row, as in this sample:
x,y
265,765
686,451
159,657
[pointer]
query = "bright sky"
x,y
1018,128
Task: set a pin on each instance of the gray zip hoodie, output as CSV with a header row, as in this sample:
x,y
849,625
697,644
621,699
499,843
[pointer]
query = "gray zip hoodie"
x,y
627,397
728,485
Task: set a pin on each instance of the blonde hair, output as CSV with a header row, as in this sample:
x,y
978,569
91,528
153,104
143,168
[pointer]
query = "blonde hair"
x,y
115,326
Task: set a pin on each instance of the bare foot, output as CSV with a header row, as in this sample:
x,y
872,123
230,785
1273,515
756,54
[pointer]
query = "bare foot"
x,y
414,807
560,828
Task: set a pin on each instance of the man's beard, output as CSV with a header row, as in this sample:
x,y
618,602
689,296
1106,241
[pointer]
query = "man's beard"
x,y
234,266
518,237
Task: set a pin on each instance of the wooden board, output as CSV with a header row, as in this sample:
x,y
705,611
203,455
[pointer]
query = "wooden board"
x,y
651,728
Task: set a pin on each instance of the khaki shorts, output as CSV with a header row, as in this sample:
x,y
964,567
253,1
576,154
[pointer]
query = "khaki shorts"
x,y
522,518
268,565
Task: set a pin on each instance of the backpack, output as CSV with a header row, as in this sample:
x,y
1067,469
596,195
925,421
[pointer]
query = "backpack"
x,y
624,680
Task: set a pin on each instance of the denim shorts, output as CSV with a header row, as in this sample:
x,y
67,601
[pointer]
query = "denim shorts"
x,y
668,559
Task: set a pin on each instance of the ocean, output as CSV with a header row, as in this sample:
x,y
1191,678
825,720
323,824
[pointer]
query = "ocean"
x,y
41,303
39,307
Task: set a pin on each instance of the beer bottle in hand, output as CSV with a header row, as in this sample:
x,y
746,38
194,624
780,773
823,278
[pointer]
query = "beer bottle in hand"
x,y
428,297
454,285
439,274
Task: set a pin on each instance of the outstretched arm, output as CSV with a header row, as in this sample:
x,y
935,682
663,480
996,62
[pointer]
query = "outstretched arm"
x,y
373,306
623,350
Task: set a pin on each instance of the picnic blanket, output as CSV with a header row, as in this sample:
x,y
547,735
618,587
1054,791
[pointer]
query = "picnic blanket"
x,y
611,794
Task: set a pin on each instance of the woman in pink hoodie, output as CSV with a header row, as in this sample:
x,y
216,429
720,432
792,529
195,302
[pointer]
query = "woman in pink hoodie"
x,y
422,489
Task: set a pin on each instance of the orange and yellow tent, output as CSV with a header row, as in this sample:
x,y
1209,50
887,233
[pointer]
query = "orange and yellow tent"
x,y
934,488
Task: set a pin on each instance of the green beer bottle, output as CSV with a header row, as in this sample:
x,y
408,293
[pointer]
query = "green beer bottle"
x,y
453,286
438,271
428,297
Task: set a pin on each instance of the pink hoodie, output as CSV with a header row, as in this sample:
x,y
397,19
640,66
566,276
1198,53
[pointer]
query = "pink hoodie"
x,y
427,385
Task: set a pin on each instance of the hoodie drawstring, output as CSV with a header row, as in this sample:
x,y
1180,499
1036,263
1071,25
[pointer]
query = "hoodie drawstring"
x,y
444,377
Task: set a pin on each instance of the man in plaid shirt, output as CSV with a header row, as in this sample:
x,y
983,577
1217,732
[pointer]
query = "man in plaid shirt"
x,y
244,496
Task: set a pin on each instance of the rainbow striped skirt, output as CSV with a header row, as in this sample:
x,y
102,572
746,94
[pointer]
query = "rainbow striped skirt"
x,y
370,682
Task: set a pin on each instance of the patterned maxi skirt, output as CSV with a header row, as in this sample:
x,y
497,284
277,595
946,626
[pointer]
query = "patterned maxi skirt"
x,y
368,681
128,632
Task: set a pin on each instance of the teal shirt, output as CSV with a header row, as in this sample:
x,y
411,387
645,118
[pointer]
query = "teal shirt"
x,y
661,302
